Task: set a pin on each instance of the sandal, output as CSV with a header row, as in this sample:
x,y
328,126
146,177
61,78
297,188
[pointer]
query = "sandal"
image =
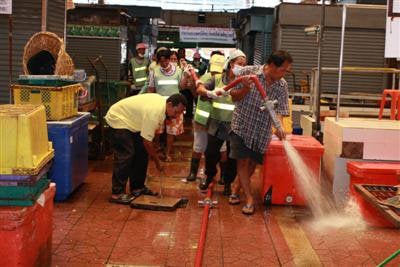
x,y
248,209
123,199
234,199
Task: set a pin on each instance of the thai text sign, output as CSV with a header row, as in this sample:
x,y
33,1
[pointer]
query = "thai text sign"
x,y
207,35
5,6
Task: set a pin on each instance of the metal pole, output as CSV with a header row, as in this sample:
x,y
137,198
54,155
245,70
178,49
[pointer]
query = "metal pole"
x,y
44,15
10,59
317,132
344,14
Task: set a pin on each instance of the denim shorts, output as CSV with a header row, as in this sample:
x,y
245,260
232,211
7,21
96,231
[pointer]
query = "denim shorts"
x,y
240,151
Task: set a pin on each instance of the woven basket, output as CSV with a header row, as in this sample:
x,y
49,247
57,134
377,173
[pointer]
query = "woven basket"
x,y
51,43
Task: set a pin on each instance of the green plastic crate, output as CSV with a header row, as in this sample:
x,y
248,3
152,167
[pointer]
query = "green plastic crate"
x,y
44,82
22,195
111,92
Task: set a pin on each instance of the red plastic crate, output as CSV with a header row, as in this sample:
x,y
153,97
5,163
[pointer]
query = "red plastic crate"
x,y
26,233
278,174
378,173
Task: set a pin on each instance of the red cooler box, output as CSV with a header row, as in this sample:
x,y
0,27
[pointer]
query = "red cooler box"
x,y
377,173
26,232
279,185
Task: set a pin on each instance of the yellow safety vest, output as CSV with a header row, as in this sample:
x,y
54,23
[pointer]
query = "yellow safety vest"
x,y
222,108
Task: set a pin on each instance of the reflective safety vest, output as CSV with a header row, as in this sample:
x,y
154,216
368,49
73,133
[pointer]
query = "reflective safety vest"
x,y
202,113
139,72
167,85
222,108
203,107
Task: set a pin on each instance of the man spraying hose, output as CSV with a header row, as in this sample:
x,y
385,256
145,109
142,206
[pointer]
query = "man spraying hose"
x,y
251,126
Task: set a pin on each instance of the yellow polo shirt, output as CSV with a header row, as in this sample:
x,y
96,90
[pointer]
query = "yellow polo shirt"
x,y
141,113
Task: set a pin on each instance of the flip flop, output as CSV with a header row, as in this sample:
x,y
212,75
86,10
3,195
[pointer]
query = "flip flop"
x,y
123,199
248,209
234,199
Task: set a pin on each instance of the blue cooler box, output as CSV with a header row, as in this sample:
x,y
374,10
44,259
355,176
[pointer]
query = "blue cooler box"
x,y
70,143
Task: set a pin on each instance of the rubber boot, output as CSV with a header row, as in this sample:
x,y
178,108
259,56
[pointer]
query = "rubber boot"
x,y
205,183
194,167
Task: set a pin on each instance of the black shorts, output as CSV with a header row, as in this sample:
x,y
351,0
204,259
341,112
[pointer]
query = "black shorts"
x,y
240,151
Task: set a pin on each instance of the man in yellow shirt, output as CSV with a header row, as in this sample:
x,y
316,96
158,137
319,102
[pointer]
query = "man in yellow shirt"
x,y
133,122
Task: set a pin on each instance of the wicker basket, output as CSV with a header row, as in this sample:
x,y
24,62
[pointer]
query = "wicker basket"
x,y
50,42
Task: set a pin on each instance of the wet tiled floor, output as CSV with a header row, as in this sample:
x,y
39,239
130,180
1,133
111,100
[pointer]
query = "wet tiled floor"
x,y
90,231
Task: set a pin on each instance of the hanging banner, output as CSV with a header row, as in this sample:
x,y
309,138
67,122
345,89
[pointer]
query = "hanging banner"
x,y
392,40
5,6
207,35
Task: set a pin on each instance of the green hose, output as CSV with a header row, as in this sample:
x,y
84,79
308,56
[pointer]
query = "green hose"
x,y
391,257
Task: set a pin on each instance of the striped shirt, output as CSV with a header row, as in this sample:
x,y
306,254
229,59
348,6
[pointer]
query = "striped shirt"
x,y
251,123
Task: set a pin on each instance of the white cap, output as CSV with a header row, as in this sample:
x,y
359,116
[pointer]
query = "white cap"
x,y
232,55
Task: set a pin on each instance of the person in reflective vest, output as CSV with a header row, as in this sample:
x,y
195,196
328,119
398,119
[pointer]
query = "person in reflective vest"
x,y
199,66
138,70
219,121
201,115
166,80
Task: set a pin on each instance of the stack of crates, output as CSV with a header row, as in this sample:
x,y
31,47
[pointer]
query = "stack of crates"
x,y
26,199
58,94
25,154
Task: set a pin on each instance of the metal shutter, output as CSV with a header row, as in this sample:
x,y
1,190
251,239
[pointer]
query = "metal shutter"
x,y
258,49
56,17
82,48
363,48
26,21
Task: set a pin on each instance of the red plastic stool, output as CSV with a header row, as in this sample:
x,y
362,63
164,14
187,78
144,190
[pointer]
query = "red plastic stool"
x,y
394,105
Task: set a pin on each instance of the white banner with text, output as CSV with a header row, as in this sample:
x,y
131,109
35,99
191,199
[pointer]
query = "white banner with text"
x,y
207,35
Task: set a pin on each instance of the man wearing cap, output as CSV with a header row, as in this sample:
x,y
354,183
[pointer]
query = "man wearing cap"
x,y
138,70
219,124
201,115
251,126
199,67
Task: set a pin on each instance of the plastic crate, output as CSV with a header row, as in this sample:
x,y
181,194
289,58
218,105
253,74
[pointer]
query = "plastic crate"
x,y
46,80
60,101
23,195
377,173
112,91
23,180
24,145
26,232
70,165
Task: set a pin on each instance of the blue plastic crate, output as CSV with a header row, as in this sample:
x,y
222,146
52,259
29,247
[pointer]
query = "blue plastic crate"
x,y
70,143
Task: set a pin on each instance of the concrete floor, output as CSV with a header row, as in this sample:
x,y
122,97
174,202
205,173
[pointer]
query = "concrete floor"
x,y
90,231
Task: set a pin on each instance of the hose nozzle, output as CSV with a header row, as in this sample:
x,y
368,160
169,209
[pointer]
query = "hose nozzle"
x,y
269,105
